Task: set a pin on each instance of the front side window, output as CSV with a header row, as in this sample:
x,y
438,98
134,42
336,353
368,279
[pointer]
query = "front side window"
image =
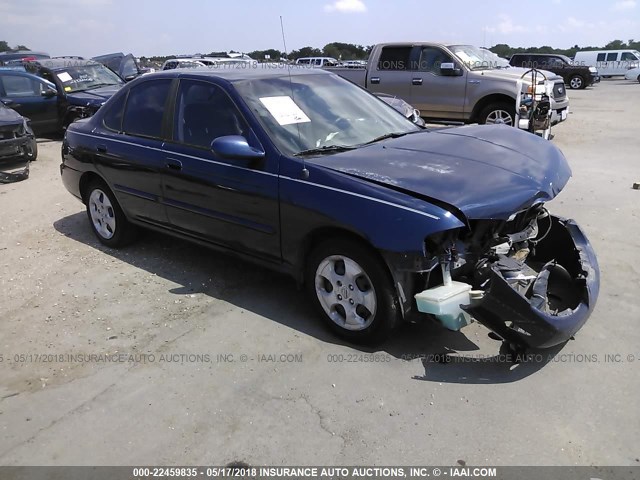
x,y
145,108
629,57
431,59
203,113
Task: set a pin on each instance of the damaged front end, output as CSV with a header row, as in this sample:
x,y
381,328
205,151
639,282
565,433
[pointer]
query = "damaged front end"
x,y
17,150
533,279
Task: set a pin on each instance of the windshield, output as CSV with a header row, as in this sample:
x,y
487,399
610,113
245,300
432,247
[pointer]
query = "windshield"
x,y
474,58
307,112
85,77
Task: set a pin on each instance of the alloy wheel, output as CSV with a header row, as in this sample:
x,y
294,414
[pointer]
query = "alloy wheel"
x,y
345,292
102,214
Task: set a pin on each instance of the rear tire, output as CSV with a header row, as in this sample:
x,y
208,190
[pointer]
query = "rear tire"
x,y
498,113
638,78
106,218
577,82
352,290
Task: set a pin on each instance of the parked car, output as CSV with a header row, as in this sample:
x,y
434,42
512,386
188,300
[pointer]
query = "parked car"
x,y
575,75
18,145
125,66
609,62
633,74
317,61
309,174
187,63
451,83
32,97
20,56
82,85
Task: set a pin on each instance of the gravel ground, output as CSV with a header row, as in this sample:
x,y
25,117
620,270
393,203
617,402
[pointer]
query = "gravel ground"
x,y
222,361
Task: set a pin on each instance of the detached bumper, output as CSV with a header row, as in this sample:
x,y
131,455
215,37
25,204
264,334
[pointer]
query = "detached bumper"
x,y
559,307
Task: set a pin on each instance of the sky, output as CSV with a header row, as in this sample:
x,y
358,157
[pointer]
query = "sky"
x,y
147,28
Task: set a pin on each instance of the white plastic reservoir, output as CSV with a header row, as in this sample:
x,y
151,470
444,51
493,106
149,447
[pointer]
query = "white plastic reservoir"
x,y
444,303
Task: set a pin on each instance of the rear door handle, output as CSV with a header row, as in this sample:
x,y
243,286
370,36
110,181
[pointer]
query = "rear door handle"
x,y
173,164
375,80
416,81
101,148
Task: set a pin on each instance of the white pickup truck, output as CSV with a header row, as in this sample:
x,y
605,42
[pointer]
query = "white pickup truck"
x,y
455,83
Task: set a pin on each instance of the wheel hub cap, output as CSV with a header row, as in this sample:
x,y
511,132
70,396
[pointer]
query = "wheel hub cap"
x,y
102,214
345,292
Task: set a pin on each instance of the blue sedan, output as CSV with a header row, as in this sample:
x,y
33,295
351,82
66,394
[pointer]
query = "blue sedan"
x,y
382,220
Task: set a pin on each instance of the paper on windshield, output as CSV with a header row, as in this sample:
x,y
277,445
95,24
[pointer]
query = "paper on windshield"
x,y
284,110
64,77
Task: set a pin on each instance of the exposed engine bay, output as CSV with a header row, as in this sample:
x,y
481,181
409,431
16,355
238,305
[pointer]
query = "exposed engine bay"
x,y
530,279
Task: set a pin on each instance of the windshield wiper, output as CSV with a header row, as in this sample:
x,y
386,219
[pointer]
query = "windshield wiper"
x,y
387,135
98,85
323,150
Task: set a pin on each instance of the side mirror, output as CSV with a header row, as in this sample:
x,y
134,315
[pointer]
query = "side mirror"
x,y
235,147
48,93
128,78
449,69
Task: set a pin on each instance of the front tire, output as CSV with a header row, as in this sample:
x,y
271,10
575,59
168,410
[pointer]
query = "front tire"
x,y
106,218
352,290
498,113
577,82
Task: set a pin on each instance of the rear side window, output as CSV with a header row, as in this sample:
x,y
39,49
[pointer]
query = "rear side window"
x,y
113,118
601,57
394,58
611,57
145,108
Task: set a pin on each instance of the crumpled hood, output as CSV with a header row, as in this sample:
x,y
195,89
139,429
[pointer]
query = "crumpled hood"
x,y
96,96
485,171
9,117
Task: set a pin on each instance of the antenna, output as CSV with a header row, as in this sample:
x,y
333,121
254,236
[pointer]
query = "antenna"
x,y
305,172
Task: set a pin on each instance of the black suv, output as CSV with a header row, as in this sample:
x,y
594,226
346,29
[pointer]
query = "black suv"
x,y
575,75
83,86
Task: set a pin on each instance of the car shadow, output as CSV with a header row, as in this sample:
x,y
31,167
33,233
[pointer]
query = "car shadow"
x,y
446,356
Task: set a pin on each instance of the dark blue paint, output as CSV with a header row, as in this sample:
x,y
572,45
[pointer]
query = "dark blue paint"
x,y
266,206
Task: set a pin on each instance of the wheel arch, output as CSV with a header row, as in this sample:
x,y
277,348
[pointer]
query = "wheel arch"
x,y
86,179
484,102
321,234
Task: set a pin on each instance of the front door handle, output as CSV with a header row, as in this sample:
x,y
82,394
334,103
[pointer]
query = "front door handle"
x,y
173,164
101,148
416,81
375,80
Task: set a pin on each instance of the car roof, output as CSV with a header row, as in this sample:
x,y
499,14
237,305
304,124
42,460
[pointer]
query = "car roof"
x,y
60,63
238,73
